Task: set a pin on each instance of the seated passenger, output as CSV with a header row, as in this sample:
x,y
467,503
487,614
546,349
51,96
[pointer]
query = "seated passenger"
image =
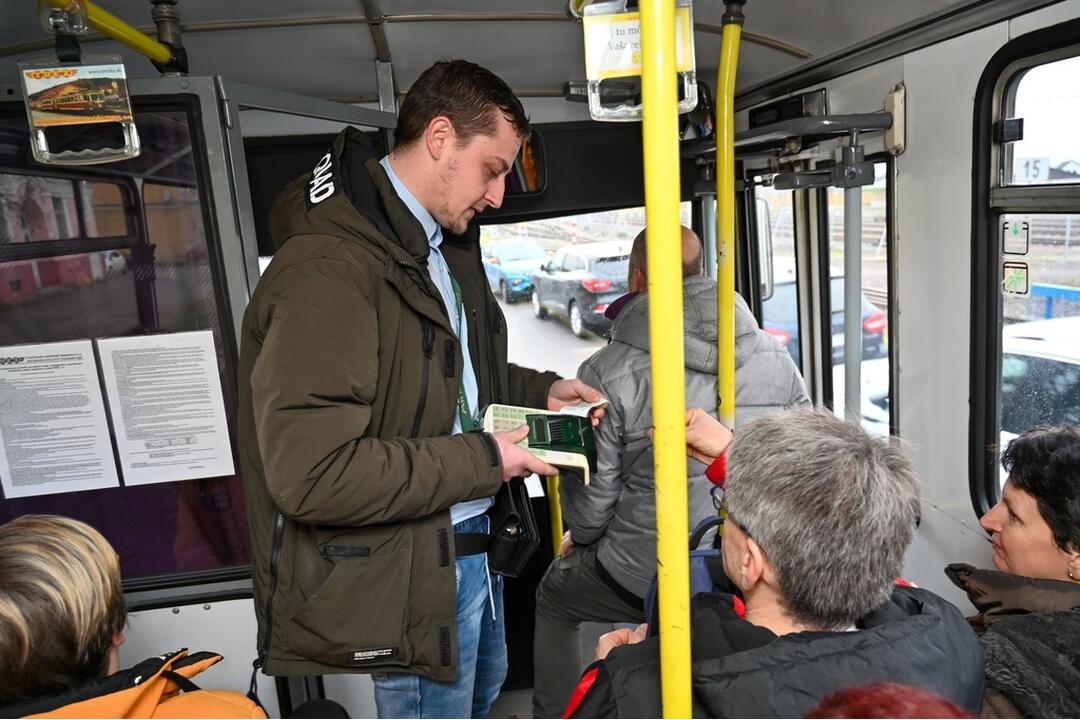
x,y
612,520
1029,608
62,618
820,515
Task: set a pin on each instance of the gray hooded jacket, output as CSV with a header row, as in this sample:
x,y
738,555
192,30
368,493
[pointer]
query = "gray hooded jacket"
x,y
617,509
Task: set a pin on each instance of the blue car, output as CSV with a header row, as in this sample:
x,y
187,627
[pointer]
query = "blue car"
x,y
509,265
782,321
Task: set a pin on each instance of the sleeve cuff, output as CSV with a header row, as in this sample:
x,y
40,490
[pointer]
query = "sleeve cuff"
x,y
717,471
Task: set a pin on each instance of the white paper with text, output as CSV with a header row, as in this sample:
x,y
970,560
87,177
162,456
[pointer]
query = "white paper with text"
x,y
54,436
167,408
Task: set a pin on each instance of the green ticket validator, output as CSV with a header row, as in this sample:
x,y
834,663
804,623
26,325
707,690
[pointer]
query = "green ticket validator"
x,y
563,433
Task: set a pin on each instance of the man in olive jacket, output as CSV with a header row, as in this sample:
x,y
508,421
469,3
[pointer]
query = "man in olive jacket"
x,y
368,349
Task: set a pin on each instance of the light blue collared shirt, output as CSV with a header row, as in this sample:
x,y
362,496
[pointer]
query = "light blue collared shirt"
x,y
440,275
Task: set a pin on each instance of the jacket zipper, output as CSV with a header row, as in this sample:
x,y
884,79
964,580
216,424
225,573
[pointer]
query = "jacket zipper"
x,y
275,560
494,396
425,365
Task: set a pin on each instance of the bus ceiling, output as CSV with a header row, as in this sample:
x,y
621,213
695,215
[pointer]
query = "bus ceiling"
x,y
795,46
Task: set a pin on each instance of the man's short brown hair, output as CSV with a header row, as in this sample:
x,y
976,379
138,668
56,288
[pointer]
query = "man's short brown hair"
x,y
465,93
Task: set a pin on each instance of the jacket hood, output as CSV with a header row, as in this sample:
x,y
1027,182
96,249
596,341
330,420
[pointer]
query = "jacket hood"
x,y
741,670
135,692
347,195
631,326
915,638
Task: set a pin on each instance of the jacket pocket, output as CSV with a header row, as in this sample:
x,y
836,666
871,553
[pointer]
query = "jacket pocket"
x,y
358,616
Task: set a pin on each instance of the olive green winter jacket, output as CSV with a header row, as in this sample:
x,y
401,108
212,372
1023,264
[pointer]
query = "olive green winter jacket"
x,y
348,387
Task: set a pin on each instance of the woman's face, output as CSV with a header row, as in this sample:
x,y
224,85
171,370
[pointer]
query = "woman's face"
x,y
1023,543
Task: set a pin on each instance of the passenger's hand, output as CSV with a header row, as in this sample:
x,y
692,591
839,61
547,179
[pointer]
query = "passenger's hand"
x,y
575,392
706,438
567,544
622,636
516,460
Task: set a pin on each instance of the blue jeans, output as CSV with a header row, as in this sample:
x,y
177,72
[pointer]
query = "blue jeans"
x,y
481,638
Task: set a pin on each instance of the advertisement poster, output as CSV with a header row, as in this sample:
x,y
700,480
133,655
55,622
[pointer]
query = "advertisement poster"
x,y
75,94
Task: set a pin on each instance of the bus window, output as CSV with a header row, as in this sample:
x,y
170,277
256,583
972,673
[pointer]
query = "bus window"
x,y
1046,99
1027,246
555,279
104,209
120,250
1040,363
874,309
775,225
34,208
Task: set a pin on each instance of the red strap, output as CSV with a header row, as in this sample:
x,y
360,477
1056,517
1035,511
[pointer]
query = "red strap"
x,y
582,689
717,471
904,583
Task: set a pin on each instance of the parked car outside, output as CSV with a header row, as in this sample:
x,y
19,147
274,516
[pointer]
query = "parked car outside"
x,y
781,319
1040,376
115,262
509,265
579,283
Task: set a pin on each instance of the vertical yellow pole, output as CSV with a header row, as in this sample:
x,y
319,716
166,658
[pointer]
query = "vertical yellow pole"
x,y
555,511
664,259
725,215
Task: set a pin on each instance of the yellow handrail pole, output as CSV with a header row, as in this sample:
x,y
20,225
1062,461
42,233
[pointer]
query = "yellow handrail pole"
x,y
555,511
111,26
664,259
725,215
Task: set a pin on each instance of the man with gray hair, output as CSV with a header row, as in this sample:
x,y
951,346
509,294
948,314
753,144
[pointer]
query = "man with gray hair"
x,y
820,515
612,521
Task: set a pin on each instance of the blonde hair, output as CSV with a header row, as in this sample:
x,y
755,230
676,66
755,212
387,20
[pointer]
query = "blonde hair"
x,y
61,605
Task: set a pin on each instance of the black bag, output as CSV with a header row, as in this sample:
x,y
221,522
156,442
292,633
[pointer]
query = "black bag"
x,y
514,537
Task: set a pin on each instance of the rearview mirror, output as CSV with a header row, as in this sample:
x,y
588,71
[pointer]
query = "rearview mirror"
x,y
528,176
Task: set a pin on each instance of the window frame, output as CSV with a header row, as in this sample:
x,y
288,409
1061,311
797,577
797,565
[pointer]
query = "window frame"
x,y
990,199
821,197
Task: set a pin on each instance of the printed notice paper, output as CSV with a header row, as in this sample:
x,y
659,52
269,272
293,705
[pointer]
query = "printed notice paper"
x,y
167,409
54,436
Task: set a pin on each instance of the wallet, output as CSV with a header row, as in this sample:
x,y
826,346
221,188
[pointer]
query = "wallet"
x,y
514,536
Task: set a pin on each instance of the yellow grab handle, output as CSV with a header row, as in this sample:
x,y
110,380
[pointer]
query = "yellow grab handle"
x,y
111,26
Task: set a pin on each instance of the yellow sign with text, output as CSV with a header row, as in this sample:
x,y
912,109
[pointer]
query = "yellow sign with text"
x,y
613,44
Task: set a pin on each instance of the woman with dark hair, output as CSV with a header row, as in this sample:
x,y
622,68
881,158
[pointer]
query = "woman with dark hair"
x,y
1029,607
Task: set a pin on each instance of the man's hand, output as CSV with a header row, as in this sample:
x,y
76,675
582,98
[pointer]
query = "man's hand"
x,y
706,438
567,544
574,392
516,460
622,636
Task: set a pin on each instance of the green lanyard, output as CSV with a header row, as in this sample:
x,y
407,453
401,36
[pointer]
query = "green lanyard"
x,y
468,424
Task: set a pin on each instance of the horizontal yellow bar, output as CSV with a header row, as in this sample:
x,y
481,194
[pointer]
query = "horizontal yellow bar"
x,y
108,24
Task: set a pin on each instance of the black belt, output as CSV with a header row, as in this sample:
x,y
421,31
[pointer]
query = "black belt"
x,y
471,543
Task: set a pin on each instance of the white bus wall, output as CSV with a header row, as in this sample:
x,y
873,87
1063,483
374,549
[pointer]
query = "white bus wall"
x,y
225,627
932,289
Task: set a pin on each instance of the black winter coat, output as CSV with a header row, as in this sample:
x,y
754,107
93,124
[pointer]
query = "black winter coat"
x,y
743,670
